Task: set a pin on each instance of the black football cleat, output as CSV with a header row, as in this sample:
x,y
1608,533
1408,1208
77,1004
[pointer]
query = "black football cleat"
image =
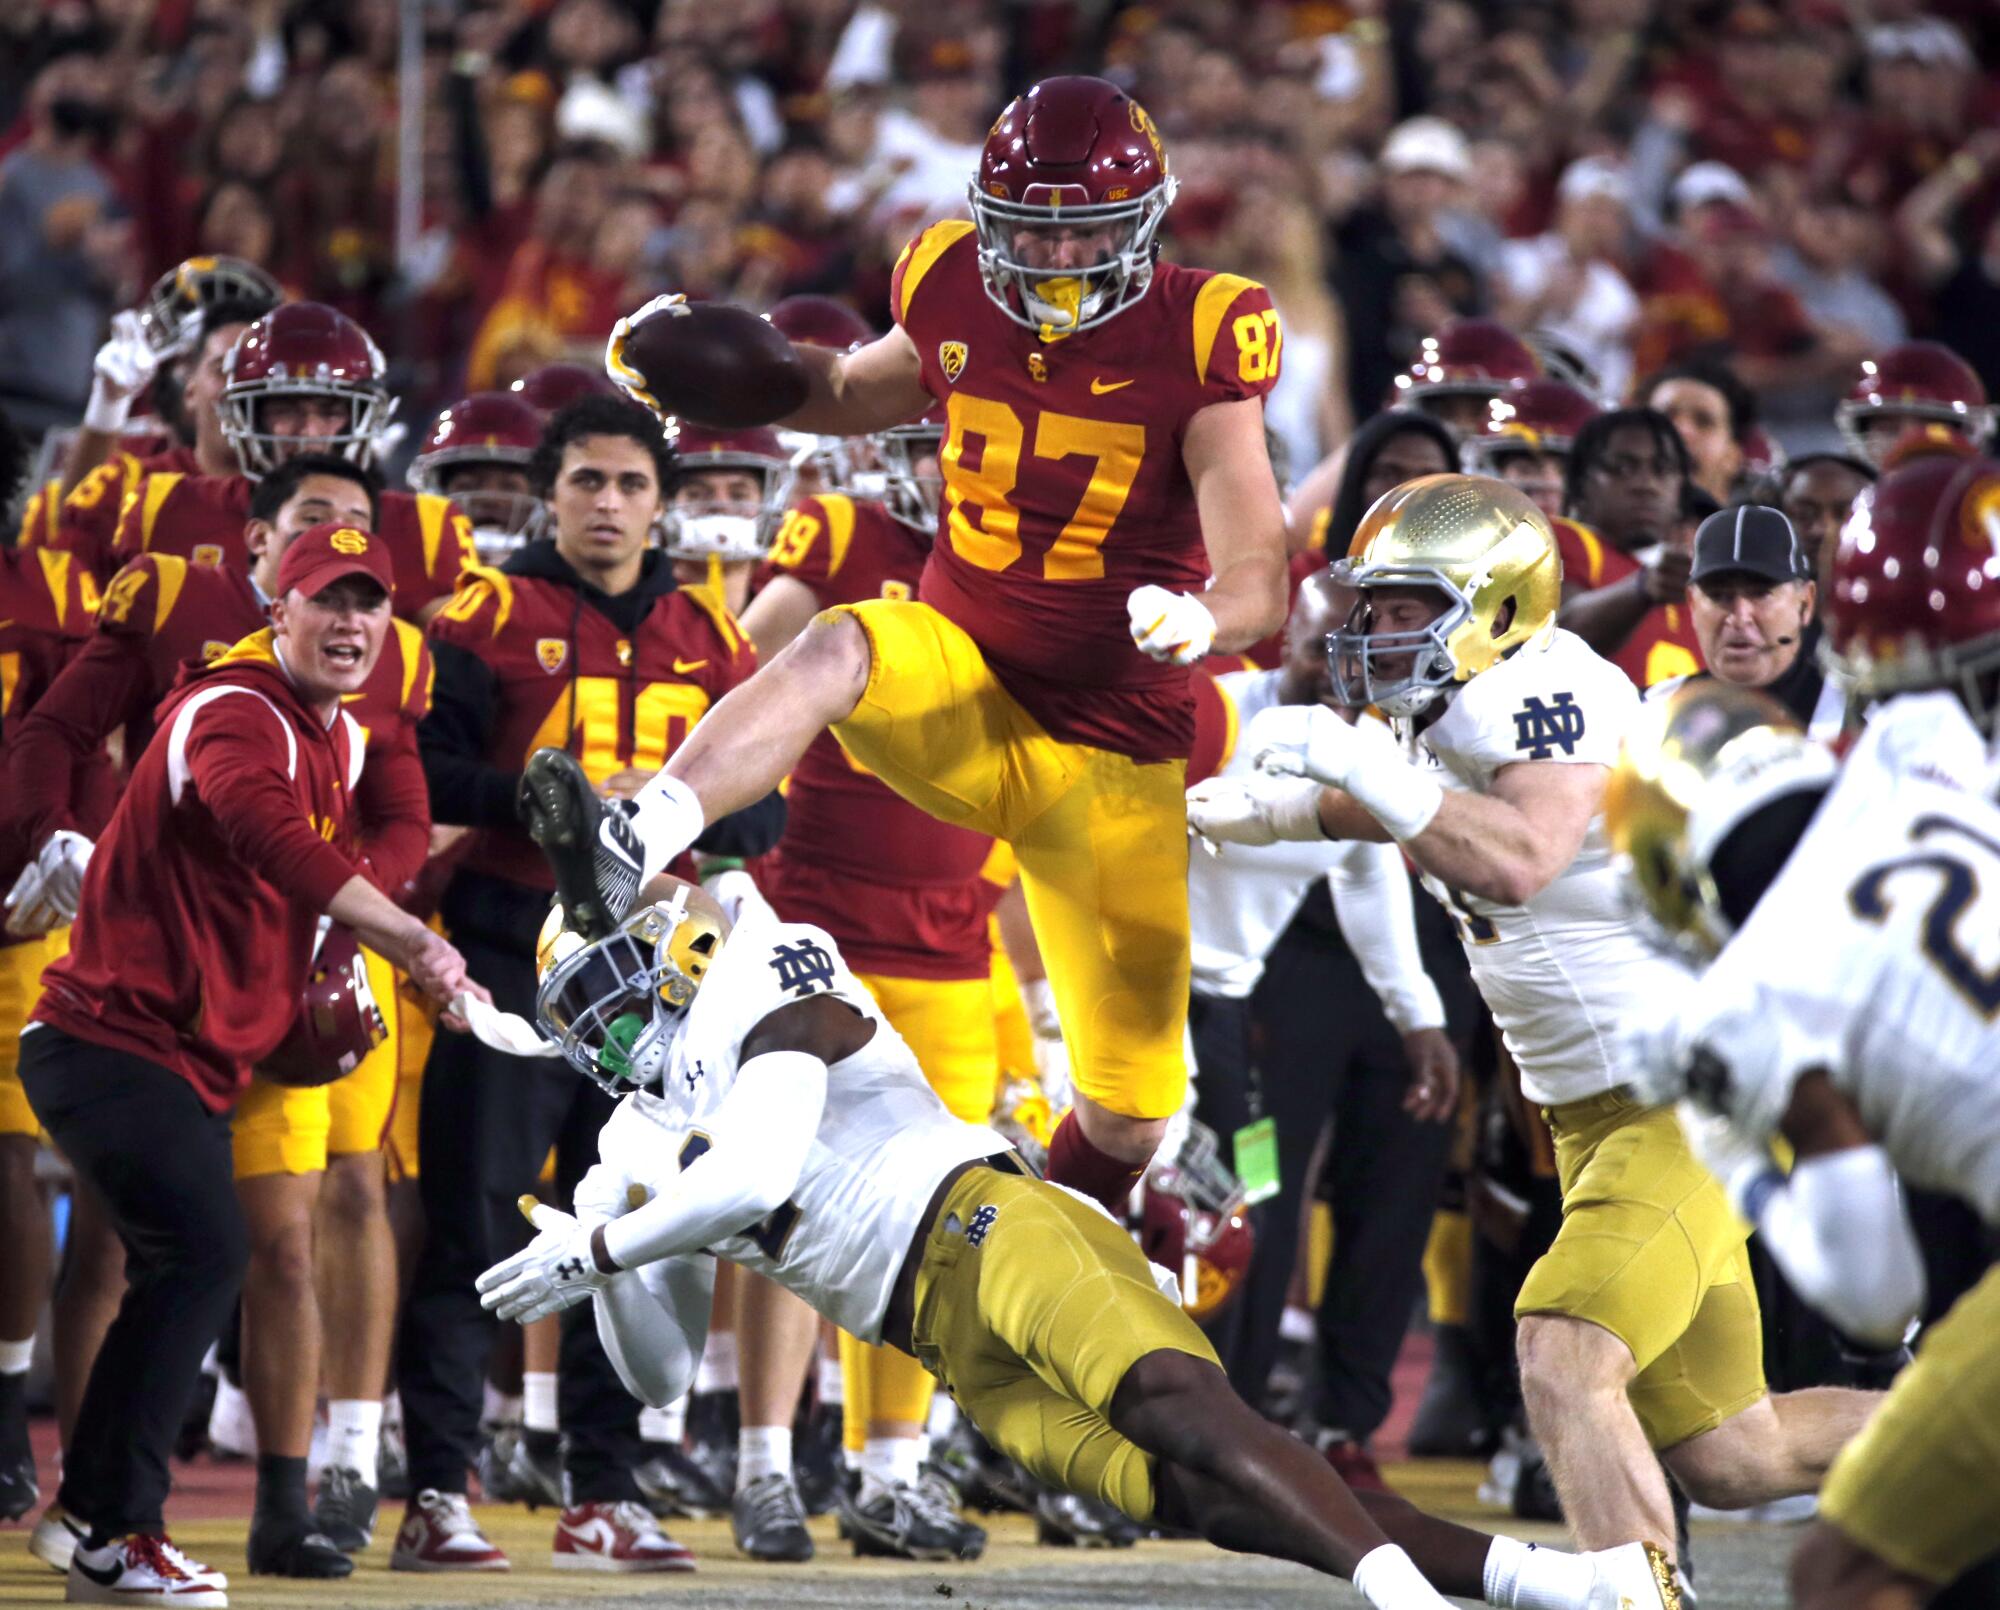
x,y
345,1511
768,1519
905,1521
1069,1520
590,843
288,1546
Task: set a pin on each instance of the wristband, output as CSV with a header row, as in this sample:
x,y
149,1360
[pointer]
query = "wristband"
x,y
1294,813
1401,798
106,415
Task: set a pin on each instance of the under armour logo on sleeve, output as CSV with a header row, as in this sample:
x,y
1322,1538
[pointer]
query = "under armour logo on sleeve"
x,y
1540,729
802,968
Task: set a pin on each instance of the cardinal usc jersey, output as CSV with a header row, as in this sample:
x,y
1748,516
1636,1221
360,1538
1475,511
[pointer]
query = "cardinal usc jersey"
x,y
44,619
885,1140
567,678
1562,971
1064,486
201,518
901,890
1875,955
1663,644
86,522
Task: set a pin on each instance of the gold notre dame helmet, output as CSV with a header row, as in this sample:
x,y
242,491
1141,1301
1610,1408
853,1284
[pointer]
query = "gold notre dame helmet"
x,y
1694,765
613,1006
1484,545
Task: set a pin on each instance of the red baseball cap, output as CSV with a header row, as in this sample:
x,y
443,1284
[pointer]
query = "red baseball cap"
x,y
321,555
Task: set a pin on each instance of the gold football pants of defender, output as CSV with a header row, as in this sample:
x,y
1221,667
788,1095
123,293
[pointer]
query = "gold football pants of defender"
x,y
949,1025
1031,1307
20,987
1919,1488
1101,840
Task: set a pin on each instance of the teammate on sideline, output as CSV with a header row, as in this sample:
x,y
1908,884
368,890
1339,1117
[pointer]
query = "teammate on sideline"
x,y
1104,457
1638,1329
789,1129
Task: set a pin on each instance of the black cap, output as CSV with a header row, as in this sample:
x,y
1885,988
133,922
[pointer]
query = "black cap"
x,y
1752,538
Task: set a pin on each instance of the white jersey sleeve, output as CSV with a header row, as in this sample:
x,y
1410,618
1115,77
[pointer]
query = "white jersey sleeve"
x,y
1560,702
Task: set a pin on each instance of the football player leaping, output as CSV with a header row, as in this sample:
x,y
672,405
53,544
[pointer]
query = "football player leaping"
x,y
1103,458
1639,1328
772,1116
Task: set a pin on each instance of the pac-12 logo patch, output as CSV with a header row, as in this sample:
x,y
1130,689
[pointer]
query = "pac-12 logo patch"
x,y
951,359
1540,729
550,652
208,555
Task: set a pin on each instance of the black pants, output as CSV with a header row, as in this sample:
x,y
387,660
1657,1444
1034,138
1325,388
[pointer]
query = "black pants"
x,y
485,1128
1326,1054
161,1161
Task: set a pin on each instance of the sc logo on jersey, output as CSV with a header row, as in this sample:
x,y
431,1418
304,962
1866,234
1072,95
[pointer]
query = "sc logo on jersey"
x,y
802,968
1540,729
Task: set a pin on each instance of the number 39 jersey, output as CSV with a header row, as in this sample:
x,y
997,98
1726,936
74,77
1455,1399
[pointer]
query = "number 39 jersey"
x,y
1562,971
884,1140
1875,955
1064,485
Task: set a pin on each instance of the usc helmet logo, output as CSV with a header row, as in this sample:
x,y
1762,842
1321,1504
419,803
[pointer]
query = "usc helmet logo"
x,y
348,541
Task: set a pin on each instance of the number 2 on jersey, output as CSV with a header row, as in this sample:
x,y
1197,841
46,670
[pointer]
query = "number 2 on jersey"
x,y
995,542
1957,890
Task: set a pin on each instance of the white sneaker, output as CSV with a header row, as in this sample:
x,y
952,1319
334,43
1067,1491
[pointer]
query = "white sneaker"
x,y
144,1570
56,1536
439,1534
1633,1576
615,1537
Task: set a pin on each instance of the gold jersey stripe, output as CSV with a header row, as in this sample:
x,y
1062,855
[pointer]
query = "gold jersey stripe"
x,y
922,255
1211,304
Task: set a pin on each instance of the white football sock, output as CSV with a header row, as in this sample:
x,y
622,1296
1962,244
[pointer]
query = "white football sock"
x,y
14,1356
1521,1576
893,1459
664,1425
500,1408
762,1451
1389,1579
832,1386
717,1370
538,1400
353,1435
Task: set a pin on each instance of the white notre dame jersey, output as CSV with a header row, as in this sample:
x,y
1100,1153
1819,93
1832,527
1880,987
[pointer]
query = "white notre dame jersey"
x,y
1562,972
884,1140
1876,956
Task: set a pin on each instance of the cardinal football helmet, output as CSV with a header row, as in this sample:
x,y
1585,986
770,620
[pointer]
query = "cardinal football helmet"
x,y
1914,599
1073,153
1191,1223
614,1006
1482,545
1465,358
1526,438
170,316
555,385
303,349
1911,385
735,531
339,1020
1693,767
486,429
820,321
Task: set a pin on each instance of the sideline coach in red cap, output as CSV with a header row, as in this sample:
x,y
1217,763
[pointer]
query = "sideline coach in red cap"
x,y
193,937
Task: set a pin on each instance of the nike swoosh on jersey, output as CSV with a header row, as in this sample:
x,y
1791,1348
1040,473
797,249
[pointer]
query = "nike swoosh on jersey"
x,y
1099,388
682,667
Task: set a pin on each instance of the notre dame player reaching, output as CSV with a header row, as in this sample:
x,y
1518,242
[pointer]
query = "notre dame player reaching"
x,y
772,1116
1111,516
1639,1327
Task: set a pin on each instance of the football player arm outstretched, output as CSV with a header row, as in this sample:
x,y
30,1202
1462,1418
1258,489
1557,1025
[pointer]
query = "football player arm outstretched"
x,y
860,392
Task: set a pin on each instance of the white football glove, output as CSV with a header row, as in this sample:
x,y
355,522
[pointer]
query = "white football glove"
x,y
1653,1056
29,914
123,367
1328,750
64,860
1254,810
1052,1069
1170,626
628,379
554,1271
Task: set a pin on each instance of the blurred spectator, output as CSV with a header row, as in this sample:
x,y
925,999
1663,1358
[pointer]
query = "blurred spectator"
x,y
1567,282
1956,260
65,258
1714,413
1396,276
1819,490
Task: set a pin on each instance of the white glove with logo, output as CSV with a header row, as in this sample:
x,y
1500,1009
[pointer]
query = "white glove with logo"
x,y
556,1270
628,379
29,914
1038,1001
64,860
1254,810
121,370
1170,626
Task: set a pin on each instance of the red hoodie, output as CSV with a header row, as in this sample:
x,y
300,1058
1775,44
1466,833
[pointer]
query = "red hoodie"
x,y
196,922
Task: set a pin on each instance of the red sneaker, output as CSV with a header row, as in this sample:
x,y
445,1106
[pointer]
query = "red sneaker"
x,y
1353,1463
439,1534
616,1537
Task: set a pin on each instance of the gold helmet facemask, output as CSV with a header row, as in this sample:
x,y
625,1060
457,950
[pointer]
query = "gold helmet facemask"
x,y
614,1007
1485,547
1694,767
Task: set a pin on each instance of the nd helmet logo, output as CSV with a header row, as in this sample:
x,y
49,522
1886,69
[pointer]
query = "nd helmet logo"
x,y
951,359
348,541
1541,729
550,652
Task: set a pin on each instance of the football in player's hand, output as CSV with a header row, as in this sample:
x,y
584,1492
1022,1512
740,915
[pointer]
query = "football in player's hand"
x,y
707,362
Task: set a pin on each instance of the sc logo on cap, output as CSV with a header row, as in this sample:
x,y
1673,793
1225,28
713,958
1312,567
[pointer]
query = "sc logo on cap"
x,y
348,541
